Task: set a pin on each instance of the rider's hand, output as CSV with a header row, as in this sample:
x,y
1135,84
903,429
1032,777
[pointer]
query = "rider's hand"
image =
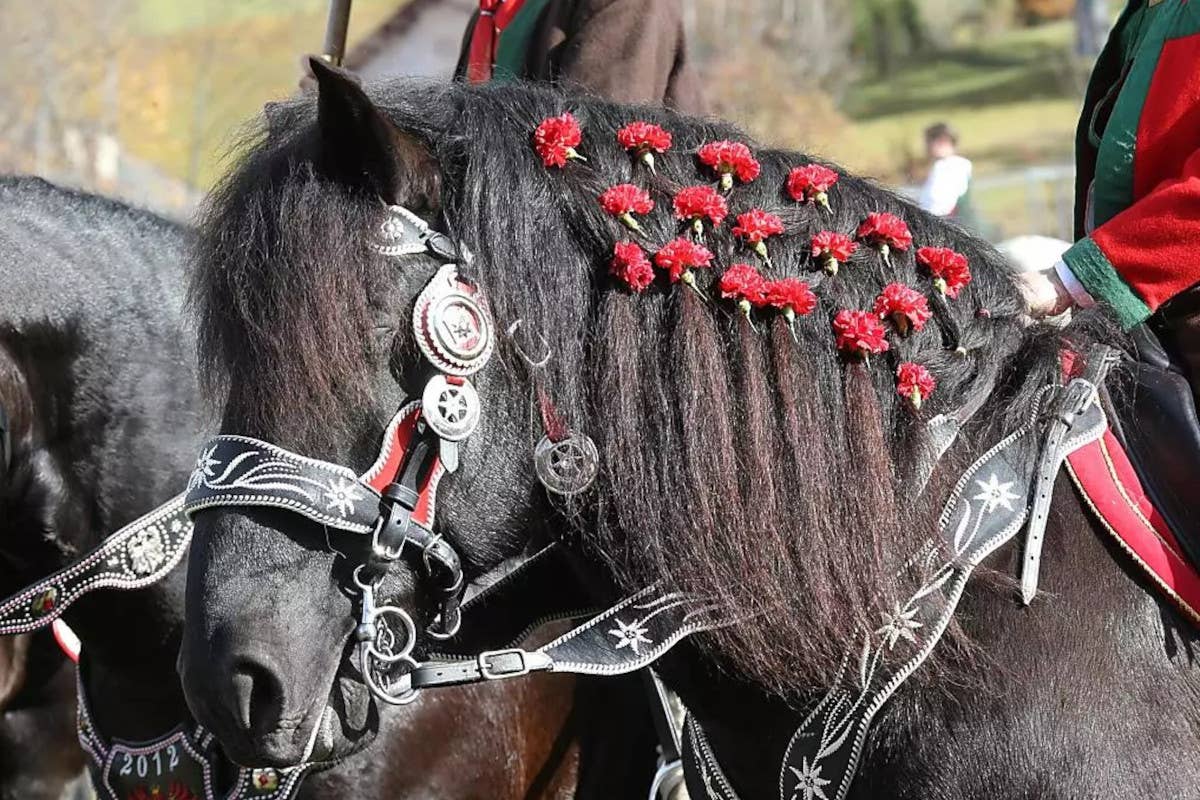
x,y
1044,292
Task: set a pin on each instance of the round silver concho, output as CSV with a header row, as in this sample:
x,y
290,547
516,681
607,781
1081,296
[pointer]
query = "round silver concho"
x,y
450,409
452,326
569,466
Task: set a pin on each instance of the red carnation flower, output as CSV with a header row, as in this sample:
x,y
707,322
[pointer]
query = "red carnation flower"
x,y
695,203
904,305
556,139
745,284
630,265
832,249
624,200
859,332
644,139
728,159
950,270
792,296
680,256
756,225
811,183
885,232
914,383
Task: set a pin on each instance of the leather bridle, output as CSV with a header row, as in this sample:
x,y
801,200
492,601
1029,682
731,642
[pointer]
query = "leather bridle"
x,y
393,503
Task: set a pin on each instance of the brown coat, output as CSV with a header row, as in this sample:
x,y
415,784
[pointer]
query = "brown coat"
x,y
629,51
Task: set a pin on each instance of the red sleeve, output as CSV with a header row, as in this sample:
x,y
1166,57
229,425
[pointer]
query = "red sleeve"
x,y
1151,250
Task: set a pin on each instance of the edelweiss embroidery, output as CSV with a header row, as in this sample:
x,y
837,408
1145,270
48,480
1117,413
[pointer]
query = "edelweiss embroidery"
x,y
631,635
995,494
899,624
205,464
809,783
341,497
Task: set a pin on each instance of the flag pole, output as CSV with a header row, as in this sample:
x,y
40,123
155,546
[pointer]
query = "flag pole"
x,y
334,49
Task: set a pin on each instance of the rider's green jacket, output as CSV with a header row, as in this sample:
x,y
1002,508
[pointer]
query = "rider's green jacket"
x,y
1138,162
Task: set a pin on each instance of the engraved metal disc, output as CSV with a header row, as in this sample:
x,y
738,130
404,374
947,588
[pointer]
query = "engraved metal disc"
x,y
452,325
451,409
569,466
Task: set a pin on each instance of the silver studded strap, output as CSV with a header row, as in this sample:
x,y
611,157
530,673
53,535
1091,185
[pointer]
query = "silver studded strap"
x,y
138,555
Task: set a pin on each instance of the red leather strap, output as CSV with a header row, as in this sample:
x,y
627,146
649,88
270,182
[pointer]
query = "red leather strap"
x,y
494,16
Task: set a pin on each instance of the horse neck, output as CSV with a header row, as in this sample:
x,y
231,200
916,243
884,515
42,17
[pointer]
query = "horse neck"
x,y
107,364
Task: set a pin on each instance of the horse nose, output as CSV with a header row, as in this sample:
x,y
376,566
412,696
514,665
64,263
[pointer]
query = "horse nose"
x,y
256,695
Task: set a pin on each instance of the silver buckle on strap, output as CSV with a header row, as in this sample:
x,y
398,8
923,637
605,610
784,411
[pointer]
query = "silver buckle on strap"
x,y
491,673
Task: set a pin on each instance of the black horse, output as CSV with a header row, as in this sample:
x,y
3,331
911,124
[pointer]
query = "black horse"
x,y
98,382
98,385
756,465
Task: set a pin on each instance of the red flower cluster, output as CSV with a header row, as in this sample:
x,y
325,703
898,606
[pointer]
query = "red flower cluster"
x,y
792,296
859,332
644,139
886,232
811,183
905,306
832,249
728,159
756,225
624,200
556,139
630,265
680,256
950,270
745,284
696,203
914,383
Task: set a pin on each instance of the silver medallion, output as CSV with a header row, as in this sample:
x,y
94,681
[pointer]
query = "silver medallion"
x,y
569,466
450,408
452,325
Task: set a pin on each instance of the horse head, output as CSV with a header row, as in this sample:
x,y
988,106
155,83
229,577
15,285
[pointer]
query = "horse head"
x,y
297,233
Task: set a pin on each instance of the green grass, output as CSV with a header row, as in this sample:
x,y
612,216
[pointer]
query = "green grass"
x,y
1013,98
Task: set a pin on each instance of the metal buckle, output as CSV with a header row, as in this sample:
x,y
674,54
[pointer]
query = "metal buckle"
x,y
486,670
383,552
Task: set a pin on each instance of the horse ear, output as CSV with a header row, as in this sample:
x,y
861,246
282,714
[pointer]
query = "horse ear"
x,y
361,146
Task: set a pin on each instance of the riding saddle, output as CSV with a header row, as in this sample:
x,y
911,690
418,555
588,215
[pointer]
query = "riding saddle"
x,y
1158,427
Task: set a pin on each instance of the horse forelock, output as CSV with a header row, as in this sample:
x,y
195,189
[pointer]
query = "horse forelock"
x,y
741,463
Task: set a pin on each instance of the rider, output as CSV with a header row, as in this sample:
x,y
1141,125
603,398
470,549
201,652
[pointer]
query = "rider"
x,y
1137,215
628,51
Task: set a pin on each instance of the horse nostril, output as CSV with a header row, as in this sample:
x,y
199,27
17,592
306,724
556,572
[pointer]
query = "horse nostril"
x,y
257,697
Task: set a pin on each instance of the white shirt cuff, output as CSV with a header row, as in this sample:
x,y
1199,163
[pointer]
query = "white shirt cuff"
x,y
1074,287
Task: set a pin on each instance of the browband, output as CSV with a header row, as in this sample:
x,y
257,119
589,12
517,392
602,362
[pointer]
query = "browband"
x,y
242,471
138,555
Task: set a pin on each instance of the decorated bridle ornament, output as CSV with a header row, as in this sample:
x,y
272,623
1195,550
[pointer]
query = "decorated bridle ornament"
x,y
184,759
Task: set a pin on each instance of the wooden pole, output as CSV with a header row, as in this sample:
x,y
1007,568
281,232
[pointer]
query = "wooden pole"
x,y
335,32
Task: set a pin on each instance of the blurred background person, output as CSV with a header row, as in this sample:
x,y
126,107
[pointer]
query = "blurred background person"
x,y
944,192
629,51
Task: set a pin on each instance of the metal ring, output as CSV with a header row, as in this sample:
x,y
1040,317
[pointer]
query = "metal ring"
x,y
363,587
410,629
403,698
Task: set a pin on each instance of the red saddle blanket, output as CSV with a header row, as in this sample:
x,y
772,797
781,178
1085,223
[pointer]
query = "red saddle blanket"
x,y
1109,485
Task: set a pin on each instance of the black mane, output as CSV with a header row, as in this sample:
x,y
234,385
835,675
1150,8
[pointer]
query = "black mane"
x,y
739,462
